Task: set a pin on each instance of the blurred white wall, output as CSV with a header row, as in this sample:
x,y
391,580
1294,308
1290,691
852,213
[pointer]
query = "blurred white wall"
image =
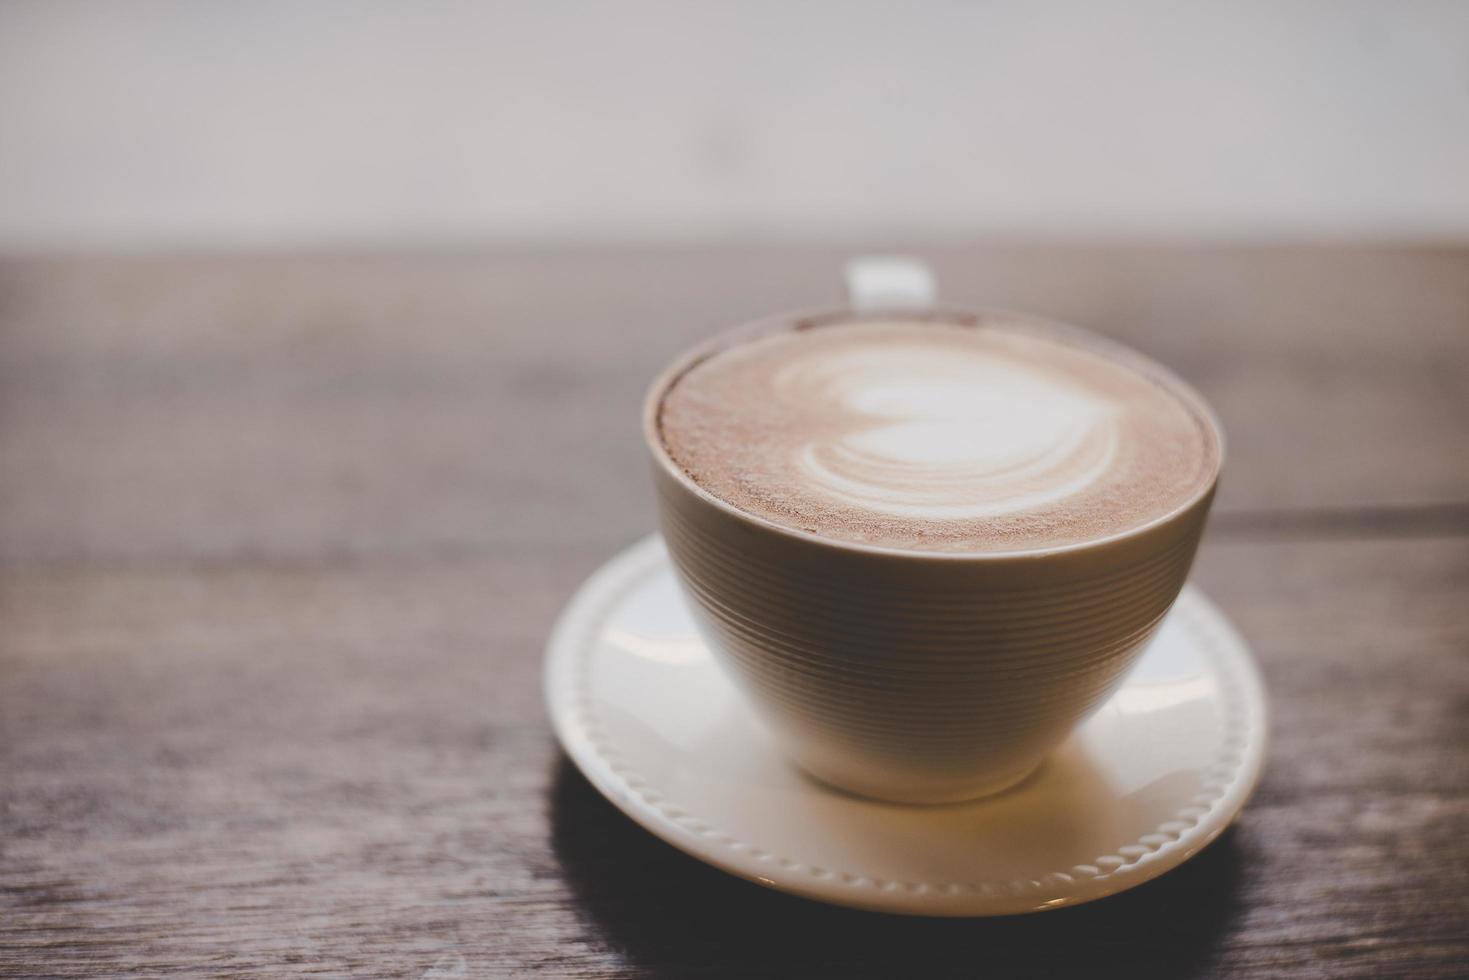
x,y
165,124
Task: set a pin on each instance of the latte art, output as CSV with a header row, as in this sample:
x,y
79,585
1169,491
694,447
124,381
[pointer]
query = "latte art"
x,y
936,436
945,435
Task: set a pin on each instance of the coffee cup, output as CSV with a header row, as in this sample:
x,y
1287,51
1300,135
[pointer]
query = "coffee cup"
x,y
928,669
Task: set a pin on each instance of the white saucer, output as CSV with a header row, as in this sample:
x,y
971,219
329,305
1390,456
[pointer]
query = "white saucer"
x,y
1141,787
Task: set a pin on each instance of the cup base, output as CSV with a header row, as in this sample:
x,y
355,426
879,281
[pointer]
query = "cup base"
x,y
918,791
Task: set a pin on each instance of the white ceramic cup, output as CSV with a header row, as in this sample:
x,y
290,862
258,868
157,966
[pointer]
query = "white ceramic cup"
x,y
917,677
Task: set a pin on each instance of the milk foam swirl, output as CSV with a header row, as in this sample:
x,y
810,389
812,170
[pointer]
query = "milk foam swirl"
x,y
935,433
938,436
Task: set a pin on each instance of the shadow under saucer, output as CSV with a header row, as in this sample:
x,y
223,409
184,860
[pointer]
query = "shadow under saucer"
x,y
671,915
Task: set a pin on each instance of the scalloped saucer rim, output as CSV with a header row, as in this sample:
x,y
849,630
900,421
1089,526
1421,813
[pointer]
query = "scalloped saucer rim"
x,y
1144,784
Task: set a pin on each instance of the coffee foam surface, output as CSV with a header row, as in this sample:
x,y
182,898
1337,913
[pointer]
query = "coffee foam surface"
x,y
936,436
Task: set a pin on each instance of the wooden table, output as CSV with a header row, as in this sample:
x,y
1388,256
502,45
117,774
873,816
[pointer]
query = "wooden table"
x,y
281,539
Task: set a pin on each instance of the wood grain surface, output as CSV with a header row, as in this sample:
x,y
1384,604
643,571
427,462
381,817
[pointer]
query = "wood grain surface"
x,y
281,538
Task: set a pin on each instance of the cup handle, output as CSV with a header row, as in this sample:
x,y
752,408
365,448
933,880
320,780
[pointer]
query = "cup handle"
x,y
889,282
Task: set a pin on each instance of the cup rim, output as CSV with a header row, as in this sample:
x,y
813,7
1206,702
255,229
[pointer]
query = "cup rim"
x,y
1003,319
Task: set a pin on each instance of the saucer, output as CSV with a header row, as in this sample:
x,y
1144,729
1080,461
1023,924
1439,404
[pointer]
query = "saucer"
x,y
1143,785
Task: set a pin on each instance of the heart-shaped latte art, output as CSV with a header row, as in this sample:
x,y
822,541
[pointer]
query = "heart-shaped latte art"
x,y
945,434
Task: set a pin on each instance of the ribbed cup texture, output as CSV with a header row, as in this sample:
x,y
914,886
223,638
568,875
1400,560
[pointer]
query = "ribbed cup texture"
x,y
915,677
